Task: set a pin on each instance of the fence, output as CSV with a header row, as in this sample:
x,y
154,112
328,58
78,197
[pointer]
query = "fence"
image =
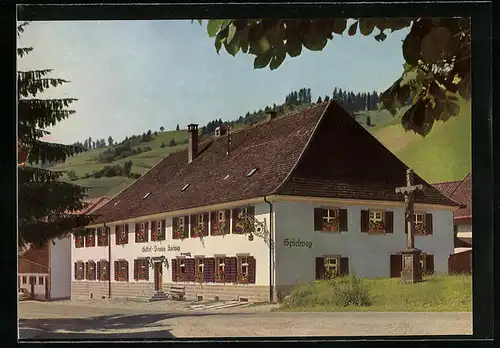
x,y
460,263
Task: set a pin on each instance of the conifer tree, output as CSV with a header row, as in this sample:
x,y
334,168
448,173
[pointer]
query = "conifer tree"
x,y
45,202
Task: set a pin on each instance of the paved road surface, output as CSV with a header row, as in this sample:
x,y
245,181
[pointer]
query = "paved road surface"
x,y
69,320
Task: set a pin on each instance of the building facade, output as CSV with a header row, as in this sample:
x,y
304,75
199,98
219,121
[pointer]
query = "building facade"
x,y
46,271
249,215
460,191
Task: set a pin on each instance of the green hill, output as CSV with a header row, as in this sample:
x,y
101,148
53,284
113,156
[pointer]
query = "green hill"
x,y
445,154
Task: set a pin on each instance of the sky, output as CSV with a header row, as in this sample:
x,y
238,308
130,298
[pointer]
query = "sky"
x,y
132,76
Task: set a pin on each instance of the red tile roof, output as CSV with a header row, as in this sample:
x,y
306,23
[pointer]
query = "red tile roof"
x,y
341,160
447,187
460,191
93,205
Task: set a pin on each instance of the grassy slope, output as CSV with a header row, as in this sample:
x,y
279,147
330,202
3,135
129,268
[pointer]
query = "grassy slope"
x,y
437,293
444,154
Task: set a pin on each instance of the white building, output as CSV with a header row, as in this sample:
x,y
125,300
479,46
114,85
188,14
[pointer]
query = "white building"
x,y
460,191
46,272
282,202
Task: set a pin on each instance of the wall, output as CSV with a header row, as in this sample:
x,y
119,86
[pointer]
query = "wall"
x,y
39,288
369,255
230,245
60,263
35,260
464,228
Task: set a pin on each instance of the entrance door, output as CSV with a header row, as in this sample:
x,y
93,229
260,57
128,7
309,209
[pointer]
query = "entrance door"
x,y
46,288
158,276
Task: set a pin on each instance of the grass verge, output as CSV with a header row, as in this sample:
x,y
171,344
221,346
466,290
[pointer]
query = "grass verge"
x,y
437,293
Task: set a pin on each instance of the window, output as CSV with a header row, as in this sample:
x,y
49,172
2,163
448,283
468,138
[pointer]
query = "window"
x,y
79,241
251,172
40,280
219,269
200,269
158,230
103,270
243,269
90,270
90,238
332,266
25,280
121,232
121,271
219,222
32,280
141,232
79,270
422,224
198,227
184,187
141,269
102,237
376,216
330,220
180,227
376,220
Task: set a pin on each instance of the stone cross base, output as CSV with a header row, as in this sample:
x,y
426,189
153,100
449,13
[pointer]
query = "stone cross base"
x,y
411,270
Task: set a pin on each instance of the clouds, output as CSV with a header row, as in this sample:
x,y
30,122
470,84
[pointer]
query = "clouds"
x,y
131,76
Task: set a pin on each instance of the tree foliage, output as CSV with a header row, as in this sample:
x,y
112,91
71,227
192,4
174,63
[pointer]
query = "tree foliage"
x,y
47,206
436,52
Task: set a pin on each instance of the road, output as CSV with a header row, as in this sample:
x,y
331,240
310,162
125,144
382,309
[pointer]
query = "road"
x,y
53,320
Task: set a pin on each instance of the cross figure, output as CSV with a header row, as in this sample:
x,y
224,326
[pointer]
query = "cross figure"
x,y
408,192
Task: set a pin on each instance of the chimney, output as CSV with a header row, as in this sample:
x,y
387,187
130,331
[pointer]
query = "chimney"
x,y
220,131
192,142
270,115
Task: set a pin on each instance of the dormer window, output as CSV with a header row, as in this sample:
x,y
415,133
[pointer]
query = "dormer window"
x,y
146,195
252,172
184,187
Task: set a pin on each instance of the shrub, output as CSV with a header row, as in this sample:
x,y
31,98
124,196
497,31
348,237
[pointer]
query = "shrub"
x,y
338,292
368,121
172,142
134,175
146,149
162,145
72,175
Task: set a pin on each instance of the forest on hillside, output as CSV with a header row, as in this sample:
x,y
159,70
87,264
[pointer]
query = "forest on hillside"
x,y
352,102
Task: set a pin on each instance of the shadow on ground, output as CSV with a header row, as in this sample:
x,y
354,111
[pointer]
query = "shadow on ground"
x,y
26,336
148,324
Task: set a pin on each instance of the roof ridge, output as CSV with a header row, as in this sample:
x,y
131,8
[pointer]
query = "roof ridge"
x,y
447,182
304,149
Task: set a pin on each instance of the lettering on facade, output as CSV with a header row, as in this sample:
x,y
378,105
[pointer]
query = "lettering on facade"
x,y
158,248
186,254
297,243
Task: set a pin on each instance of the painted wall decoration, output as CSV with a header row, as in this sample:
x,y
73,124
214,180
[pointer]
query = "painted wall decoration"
x,y
297,243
